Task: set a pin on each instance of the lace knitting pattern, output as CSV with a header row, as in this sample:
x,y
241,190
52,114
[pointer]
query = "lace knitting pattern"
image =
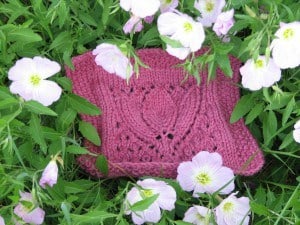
x,y
158,120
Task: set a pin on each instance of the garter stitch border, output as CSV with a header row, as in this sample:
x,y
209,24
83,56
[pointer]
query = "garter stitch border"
x,y
157,121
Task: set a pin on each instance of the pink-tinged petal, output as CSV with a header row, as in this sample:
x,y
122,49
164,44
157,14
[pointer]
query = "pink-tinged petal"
x,y
21,88
47,92
198,215
149,19
49,175
152,214
126,4
222,177
180,53
134,24
297,125
45,67
36,216
168,6
143,9
22,69
296,135
2,221
208,159
224,22
184,177
26,196
167,23
138,218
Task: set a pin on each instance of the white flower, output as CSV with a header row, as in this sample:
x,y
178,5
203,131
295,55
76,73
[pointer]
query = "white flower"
x,y
140,8
198,215
285,47
168,5
182,28
150,187
180,53
112,60
209,9
233,211
29,212
134,24
259,73
28,80
224,22
49,175
205,174
2,221
296,132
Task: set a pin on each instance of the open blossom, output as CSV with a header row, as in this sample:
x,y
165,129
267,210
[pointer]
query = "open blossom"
x,y
29,76
150,187
233,211
168,5
28,211
224,22
112,60
198,215
180,53
139,8
205,174
182,28
209,9
285,47
259,73
2,221
49,175
296,132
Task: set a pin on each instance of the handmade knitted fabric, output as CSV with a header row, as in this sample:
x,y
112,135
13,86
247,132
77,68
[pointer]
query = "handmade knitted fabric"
x,y
160,119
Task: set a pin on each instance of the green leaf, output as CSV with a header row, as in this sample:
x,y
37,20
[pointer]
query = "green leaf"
x,y
66,207
65,82
178,222
92,217
8,102
259,209
255,112
89,132
243,106
286,141
102,164
83,106
106,10
74,149
288,111
171,42
36,132
269,126
224,64
144,204
23,35
38,108
66,119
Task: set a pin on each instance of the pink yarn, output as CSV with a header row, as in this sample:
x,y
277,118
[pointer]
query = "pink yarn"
x,y
159,120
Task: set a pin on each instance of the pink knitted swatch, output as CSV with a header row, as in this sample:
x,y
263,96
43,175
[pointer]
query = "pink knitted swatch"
x,y
159,120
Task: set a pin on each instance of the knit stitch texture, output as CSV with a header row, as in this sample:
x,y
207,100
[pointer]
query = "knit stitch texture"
x,y
160,119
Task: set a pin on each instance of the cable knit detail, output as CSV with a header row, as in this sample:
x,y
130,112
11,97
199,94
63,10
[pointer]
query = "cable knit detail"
x,y
158,120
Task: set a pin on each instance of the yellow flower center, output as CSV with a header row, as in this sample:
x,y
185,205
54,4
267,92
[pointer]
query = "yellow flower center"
x,y
288,33
168,1
209,6
200,217
228,206
259,63
188,27
147,193
35,79
203,178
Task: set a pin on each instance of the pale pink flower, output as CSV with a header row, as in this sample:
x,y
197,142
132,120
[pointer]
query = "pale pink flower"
x,y
49,175
198,215
224,22
147,188
29,80
296,132
181,28
112,60
180,53
149,19
168,5
29,212
209,10
285,47
2,221
140,8
233,211
259,73
205,174
134,24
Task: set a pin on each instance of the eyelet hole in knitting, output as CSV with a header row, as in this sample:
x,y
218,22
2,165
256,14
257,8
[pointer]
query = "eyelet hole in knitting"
x,y
151,146
215,148
158,137
170,136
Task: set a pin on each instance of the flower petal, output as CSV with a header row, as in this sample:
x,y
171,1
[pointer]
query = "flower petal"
x,y
45,67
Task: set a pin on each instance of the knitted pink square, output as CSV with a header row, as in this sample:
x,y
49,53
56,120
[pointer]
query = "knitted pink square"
x,y
160,119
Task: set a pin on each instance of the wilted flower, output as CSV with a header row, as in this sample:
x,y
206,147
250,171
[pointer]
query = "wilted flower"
x,y
209,9
233,211
148,188
50,174
168,5
2,221
198,215
28,211
285,47
182,28
224,22
139,8
28,80
296,132
134,24
205,174
111,59
259,73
